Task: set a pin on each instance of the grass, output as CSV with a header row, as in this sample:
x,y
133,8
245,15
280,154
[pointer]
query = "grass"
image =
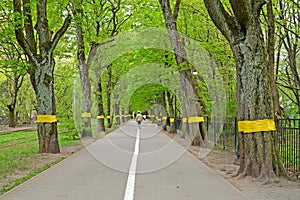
x,y
19,152
8,186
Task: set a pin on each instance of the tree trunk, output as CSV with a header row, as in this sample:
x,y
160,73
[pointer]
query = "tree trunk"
x,y
84,79
117,110
18,80
108,95
260,156
101,126
117,114
171,111
271,52
86,101
44,90
11,116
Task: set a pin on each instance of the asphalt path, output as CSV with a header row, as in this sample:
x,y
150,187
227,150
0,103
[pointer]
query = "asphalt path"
x,y
127,164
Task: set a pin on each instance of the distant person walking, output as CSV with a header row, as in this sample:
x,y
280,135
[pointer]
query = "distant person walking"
x,y
139,119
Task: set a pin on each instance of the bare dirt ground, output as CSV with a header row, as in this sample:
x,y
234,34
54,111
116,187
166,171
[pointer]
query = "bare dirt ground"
x,y
221,161
6,129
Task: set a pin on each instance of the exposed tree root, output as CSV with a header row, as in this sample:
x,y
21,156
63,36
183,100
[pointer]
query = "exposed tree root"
x,y
196,141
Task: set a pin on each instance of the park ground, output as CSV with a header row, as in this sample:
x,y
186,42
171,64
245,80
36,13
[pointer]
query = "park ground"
x,y
219,160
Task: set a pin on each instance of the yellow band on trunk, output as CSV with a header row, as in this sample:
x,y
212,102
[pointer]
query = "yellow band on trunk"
x,y
46,118
86,115
196,119
252,126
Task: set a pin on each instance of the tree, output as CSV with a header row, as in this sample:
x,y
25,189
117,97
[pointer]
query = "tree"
x,y
194,22
95,22
271,57
39,43
83,71
13,85
241,26
185,69
13,65
287,73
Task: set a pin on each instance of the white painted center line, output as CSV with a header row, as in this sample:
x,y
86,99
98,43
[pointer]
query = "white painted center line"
x,y
129,192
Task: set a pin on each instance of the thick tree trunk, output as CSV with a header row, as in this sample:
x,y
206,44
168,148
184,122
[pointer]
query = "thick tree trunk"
x,y
260,156
44,90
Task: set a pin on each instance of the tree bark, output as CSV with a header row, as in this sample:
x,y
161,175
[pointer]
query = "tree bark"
x,y
171,111
108,95
11,116
259,151
17,83
101,126
117,113
84,77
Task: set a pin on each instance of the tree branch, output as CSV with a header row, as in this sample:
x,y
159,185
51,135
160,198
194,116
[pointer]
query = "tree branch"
x,y
60,32
287,87
296,3
29,26
241,12
42,27
19,32
287,29
221,18
123,21
288,96
79,36
94,49
176,9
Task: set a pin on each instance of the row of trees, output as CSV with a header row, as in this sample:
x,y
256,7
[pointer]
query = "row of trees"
x,y
261,38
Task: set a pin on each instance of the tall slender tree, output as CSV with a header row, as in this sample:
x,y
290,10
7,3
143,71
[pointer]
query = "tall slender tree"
x,y
271,55
289,36
185,69
39,43
83,65
102,22
13,64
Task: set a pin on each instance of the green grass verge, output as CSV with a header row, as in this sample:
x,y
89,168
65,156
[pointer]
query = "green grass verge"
x,y
15,183
19,150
